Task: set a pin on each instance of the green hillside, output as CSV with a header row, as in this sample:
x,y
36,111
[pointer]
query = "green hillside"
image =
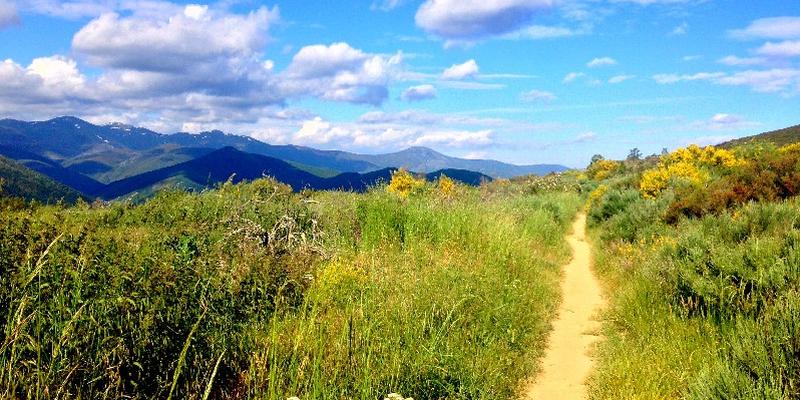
x,y
19,181
779,137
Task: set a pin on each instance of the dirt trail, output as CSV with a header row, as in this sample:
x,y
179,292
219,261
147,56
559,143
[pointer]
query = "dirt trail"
x,y
567,362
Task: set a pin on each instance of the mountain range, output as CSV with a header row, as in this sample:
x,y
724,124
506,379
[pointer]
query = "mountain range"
x,y
114,160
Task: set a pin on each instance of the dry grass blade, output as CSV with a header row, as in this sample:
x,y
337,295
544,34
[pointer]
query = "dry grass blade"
x,y
213,375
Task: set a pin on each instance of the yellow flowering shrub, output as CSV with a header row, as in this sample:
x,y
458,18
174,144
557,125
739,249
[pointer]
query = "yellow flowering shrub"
x,y
790,148
446,186
713,156
596,194
707,156
689,164
602,169
404,183
656,180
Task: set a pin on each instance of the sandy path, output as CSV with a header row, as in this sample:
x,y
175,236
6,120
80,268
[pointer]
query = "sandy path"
x,y
567,362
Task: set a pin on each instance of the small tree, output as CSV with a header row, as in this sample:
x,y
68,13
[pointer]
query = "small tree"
x,y
635,154
596,158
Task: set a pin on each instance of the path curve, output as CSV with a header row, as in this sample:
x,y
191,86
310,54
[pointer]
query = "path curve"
x,y
567,362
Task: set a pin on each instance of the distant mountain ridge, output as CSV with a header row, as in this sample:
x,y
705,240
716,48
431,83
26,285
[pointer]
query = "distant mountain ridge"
x,y
424,159
230,163
90,148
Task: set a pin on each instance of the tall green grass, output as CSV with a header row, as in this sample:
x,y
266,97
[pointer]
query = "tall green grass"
x,y
705,309
253,291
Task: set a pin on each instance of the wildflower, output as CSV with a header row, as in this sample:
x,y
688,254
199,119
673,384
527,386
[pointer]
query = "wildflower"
x,y
403,183
446,186
602,169
596,194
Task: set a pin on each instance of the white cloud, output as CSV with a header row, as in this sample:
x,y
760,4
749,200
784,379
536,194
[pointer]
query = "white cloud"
x,y
766,81
386,5
8,14
680,30
459,139
788,48
418,93
196,12
466,20
379,131
470,85
653,2
770,28
317,131
735,61
539,32
573,76
47,80
466,70
723,122
620,78
585,137
188,40
665,79
537,95
601,62
339,72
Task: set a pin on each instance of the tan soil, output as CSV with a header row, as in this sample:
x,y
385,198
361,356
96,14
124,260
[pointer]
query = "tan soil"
x,y
567,361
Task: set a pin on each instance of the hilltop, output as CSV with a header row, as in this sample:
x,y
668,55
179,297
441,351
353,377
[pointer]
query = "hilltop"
x,y
778,137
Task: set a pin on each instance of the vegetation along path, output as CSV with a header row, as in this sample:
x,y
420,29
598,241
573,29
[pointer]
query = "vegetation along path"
x,y
567,362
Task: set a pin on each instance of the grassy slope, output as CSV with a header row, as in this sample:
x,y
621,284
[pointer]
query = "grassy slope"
x,y
339,295
707,308
19,181
779,137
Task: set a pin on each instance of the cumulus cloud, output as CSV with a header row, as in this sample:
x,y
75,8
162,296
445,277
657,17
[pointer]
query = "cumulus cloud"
x,y
601,62
537,95
466,20
770,28
466,70
173,42
339,72
380,131
419,93
46,80
8,14
190,68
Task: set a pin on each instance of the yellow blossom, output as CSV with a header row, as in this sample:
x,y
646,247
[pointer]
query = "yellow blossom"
x,y
404,183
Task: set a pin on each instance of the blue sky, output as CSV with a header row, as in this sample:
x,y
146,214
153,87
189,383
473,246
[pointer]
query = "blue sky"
x,y
524,81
